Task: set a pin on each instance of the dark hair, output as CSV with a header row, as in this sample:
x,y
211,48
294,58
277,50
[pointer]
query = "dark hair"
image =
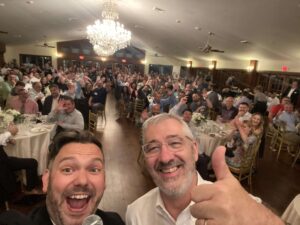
x,y
67,98
187,110
53,85
244,103
20,83
71,136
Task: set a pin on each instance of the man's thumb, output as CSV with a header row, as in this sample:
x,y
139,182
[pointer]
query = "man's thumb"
x,y
219,164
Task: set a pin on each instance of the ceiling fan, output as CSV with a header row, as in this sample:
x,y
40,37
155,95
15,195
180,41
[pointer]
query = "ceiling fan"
x,y
45,45
157,55
207,48
3,32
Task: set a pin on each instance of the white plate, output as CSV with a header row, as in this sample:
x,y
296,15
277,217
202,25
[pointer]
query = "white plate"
x,y
38,130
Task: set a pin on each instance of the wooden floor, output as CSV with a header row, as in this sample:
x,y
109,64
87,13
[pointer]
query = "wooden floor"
x,y
274,181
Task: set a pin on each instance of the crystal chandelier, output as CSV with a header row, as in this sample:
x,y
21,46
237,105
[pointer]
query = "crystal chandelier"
x,y
108,36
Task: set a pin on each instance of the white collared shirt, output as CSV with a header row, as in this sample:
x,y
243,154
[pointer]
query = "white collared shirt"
x,y
149,209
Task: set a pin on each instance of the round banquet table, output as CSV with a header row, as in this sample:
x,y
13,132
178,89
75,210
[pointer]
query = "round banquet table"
x,y
211,136
32,142
292,213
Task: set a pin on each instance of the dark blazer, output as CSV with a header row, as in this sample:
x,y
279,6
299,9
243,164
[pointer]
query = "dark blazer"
x,y
40,216
295,95
47,105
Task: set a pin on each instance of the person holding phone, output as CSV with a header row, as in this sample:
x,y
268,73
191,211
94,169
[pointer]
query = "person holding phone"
x,y
181,195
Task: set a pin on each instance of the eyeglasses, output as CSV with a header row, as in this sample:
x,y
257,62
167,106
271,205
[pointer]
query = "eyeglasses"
x,y
174,144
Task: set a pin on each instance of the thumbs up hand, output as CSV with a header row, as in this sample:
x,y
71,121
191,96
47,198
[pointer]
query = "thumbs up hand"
x,y
225,202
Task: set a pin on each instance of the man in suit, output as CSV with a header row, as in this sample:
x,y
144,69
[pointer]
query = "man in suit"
x,y
293,92
51,101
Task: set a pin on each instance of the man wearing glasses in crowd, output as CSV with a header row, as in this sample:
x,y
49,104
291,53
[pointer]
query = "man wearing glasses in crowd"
x,y
181,195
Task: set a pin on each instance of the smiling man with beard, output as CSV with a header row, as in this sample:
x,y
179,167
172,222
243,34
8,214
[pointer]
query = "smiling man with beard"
x,y
182,197
74,182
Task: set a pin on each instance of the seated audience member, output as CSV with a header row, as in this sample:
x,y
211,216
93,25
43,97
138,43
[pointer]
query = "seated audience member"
x,y
196,103
260,101
214,97
247,134
272,100
181,195
293,92
23,103
74,182
15,90
244,97
277,109
228,111
187,117
6,86
51,101
36,94
98,97
66,116
289,120
154,110
169,101
180,106
8,165
243,113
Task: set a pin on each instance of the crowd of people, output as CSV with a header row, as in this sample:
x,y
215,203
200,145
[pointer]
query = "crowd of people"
x,y
75,180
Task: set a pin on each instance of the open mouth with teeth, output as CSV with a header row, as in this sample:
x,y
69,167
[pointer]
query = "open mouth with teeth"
x,y
78,202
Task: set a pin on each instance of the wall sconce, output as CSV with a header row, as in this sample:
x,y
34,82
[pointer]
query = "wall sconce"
x,y
189,64
213,65
59,55
252,66
103,59
144,61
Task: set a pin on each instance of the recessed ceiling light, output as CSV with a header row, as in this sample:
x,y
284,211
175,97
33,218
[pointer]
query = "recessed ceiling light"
x,y
2,4
29,2
197,28
244,41
178,21
138,26
70,19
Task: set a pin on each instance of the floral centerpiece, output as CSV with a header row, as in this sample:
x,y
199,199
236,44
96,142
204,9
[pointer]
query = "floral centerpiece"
x,y
10,115
198,118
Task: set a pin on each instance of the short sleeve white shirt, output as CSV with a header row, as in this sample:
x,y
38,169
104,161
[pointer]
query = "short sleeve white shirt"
x,y
149,209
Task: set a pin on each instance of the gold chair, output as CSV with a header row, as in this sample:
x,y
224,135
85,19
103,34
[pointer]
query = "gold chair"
x,y
245,170
272,133
93,119
296,157
284,144
138,109
102,116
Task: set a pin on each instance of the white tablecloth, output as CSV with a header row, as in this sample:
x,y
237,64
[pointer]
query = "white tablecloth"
x,y
32,142
292,212
212,136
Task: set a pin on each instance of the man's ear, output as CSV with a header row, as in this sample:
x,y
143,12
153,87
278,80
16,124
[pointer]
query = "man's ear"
x,y
195,150
45,179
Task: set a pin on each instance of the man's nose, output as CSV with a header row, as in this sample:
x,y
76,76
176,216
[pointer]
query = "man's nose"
x,y
81,178
165,154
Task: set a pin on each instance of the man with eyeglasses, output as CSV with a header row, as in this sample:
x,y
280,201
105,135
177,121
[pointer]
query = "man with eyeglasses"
x,y
181,195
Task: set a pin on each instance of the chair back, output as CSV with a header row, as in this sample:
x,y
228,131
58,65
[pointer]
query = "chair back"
x,y
138,105
249,157
93,118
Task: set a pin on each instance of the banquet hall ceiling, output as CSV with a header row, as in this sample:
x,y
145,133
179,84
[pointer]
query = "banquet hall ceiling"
x,y
171,28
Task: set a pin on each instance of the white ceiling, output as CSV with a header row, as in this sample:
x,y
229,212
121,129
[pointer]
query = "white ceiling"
x,y
271,26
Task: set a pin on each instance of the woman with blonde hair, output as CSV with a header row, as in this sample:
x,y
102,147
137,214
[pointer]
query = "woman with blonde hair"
x,y
247,134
